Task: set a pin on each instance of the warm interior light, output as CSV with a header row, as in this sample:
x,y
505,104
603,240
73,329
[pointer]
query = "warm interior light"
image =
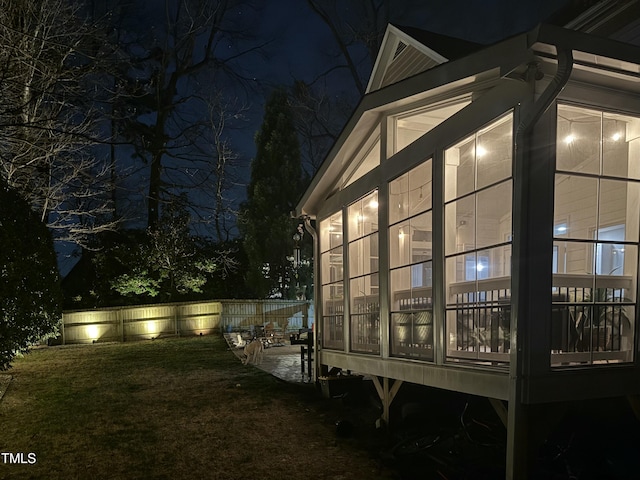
x,y
569,139
373,204
480,151
616,136
401,234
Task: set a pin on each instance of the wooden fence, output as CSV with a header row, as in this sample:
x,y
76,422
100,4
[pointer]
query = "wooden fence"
x,y
120,324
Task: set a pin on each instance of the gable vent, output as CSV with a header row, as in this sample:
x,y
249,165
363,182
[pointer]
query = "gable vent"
x,y
399,49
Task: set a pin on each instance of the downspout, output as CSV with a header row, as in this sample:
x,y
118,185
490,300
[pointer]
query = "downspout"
x,y
316,295
517,458
557,84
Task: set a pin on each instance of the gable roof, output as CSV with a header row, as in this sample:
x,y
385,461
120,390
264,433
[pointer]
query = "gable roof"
x,y
450,47
492,62
407,51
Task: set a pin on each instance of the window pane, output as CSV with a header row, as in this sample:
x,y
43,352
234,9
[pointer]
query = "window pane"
x,y
363,161
331,232
333,331
335,231
609,258
364,294
370,212
410,193
494,215
576,205
332,298
619,205
421,237
476,267
618,268
494,263
411,287
420,188
357,294
459,269
371,243
493,152
324,229
356,258
460,173
399,199
400,286
578,140
575,258
363,216
370,161
400,244
363,256
356,224
332,270
620,145
460,221
421,277
412,334
410,127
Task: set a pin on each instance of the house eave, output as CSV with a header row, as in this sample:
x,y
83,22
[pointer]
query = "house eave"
x,y
493,62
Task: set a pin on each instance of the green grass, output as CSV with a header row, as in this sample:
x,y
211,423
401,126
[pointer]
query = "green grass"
x,y
175,408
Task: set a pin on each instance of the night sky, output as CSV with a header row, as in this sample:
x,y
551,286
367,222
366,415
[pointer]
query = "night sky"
x,y
301,48
302,37
302,44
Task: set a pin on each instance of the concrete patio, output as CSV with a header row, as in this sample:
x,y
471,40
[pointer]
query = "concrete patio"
x,y
282,361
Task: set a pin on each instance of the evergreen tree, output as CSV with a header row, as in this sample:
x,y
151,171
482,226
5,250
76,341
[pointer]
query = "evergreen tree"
x,y
275,186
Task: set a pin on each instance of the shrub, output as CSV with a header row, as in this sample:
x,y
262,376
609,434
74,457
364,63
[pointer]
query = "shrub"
x,y
30,294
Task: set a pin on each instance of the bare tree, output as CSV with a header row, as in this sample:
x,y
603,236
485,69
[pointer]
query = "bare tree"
x,y
193,47
350,24
357,29
224,163
49,124
212,166
319,118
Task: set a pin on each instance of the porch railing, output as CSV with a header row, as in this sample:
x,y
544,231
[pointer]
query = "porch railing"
x,y
592,323
591,320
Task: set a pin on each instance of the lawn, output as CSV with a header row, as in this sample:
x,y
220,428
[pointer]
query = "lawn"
x,y
177,408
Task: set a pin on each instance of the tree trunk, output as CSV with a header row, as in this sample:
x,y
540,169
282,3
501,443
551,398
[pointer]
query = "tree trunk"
x,y
155,176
